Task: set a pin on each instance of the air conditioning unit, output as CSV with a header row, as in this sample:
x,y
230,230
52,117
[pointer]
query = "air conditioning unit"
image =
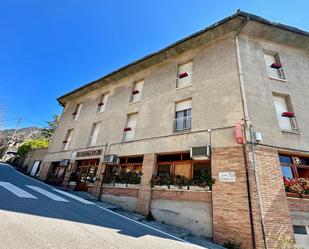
x,y
200,153
111,159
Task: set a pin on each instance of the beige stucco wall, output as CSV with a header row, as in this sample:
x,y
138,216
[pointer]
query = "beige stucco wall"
x,y
259,88
32,156
215,103
193,216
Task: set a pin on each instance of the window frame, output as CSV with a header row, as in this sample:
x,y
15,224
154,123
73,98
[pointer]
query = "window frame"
x,y
101,109
187,119
174,163
124,138
178,80
289,108
134,88
270,71
93,127
77,110
67,138
293,165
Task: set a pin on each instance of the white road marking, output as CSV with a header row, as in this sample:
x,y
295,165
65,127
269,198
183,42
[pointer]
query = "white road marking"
x,y
110,211
16,190
73,197
46,193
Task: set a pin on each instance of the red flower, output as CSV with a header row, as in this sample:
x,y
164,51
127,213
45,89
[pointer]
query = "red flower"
x,y
127,129
65,141
135,92
74,113
288,114
276,65
182,75
100,104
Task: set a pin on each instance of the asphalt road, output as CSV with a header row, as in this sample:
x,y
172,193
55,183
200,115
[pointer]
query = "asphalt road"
x,y
35,215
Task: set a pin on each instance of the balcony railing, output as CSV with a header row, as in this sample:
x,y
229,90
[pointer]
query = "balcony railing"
x,y
293,123
182,124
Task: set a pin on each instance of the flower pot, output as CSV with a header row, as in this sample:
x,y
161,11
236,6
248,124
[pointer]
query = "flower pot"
x,y
132,185
198,188
120,185
160,187
290,194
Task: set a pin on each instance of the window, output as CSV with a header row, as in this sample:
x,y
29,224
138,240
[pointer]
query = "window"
x,y
94,134
184,76
136,94
102,103
130,127
181,164
299,229
273,65
67,139
76,112
294,166
164,169
182,120
285,114
286,166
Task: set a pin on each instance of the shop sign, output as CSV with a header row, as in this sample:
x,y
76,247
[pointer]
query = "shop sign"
x,y
89,153
227,177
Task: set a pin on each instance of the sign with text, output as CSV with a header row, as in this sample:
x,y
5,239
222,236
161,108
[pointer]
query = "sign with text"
x,y
227,177
89,153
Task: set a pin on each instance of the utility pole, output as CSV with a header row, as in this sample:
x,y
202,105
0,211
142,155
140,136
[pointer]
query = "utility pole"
x,y
17,126
10,141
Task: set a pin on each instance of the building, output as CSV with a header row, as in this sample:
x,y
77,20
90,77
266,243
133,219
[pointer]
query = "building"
x,y
239,87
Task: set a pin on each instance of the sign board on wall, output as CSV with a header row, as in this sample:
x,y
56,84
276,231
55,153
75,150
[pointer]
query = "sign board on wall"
x,y
89,153
227,177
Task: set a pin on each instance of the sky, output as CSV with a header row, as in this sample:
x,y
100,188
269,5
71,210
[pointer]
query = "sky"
x,y
50,47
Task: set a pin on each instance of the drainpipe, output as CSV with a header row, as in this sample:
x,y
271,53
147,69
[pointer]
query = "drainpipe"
x,y
101,185
248,126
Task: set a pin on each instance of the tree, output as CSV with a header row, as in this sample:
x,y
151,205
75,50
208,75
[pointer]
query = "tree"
x,y
32,144
49,131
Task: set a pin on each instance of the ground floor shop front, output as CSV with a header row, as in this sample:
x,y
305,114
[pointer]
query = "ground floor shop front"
x,y
230,198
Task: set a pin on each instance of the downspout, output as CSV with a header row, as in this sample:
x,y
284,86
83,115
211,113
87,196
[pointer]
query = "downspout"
x,y
102,182
248,126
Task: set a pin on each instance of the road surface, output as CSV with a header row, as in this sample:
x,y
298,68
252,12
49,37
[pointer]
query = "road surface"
x,y
34,215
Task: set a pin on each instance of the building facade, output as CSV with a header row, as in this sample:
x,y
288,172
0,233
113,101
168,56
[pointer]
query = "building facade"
x,y
200,134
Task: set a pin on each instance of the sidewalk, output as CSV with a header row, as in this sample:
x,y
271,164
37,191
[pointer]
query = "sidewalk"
x,y
176,231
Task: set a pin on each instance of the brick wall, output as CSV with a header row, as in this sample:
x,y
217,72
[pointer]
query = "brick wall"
x,y
175,195
231,220
120,191
144,194
298,204
274,205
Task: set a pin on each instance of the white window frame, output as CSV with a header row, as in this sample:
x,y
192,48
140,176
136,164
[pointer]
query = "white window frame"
x,y
270,58
129,135
77,110
94,134
186,81
282,104
183,123
138,86
102,100
68,138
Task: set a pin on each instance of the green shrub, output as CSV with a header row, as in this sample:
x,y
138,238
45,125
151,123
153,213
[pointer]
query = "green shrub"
x,y
32,144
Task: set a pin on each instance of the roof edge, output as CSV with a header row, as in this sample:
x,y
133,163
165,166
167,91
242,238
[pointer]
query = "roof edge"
x,y
222,21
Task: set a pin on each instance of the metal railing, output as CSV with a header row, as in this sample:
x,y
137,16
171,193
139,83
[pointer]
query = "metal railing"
x,y
182,124
293,123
